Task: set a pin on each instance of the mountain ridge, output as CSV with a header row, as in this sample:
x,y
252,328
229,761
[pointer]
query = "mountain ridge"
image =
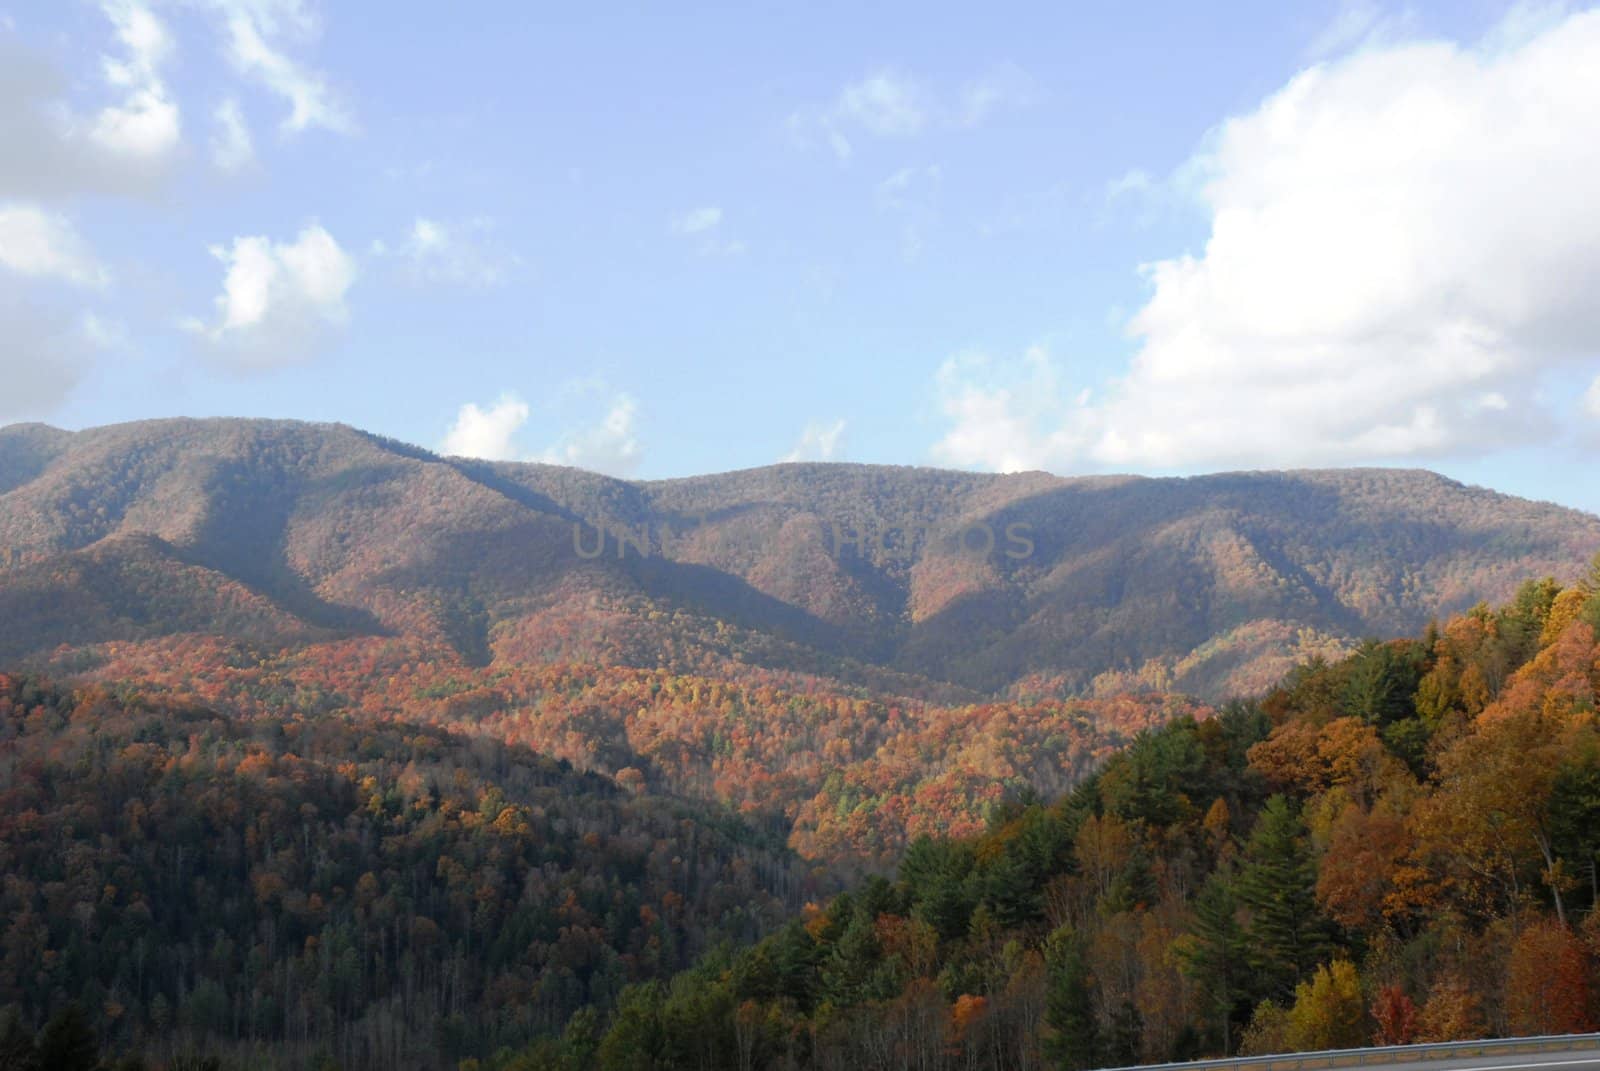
x,y
297,532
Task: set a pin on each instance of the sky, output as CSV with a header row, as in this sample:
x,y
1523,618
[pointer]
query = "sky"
x,y
1163,238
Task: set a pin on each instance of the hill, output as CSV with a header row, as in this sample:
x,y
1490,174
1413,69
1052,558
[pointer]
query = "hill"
x,y
941,585
1400,846
378,896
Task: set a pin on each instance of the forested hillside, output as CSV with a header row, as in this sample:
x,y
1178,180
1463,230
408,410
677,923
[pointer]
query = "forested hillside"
x,y
379,896
372,758
846,774
946,586
1400,846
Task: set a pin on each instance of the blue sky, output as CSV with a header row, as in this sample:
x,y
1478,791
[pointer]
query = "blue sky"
x,y
1162,238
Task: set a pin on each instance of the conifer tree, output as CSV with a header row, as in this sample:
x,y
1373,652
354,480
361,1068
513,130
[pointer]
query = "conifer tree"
x,y
1287,931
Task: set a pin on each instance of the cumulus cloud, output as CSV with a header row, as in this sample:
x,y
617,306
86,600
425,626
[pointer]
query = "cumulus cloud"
x,y
1591,400
1402,243
280,301
1007,418
453,253
145,124
488,434
232,148
609,445
44,245
818,442
257,33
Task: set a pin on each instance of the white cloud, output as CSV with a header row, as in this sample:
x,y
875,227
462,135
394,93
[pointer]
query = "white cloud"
x,y
52,151
818,442
489,434
255,31
697,220
610,446
886,103
44,245
453,253
279,302
232,148
1006,419
146,124
1395,237
1591,400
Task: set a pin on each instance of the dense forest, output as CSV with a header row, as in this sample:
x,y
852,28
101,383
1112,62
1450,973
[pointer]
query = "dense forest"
x,y
848,776
371,895
1400,846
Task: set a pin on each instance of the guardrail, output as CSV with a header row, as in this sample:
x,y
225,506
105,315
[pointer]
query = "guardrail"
x,y
1387,1054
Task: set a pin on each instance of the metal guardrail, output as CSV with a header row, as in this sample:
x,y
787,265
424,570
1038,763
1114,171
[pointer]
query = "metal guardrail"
x,y
1387,1054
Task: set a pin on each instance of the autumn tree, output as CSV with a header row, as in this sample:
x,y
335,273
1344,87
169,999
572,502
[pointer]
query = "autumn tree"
x,y
1328,1011
1394,1015
1547,981
1452,1012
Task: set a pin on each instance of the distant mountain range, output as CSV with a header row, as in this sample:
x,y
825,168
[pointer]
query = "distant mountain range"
x,y
950,586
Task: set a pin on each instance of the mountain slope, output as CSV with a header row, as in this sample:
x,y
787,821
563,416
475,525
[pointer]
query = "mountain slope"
x,y
908,580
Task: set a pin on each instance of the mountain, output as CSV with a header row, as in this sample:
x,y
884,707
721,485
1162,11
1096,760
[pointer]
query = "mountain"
x,y
949,586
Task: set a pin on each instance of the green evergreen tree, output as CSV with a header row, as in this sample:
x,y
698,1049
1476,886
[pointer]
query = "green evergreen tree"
x,y
67,1043
16,1045
1287,932
1217,957
1073,1043
636,1040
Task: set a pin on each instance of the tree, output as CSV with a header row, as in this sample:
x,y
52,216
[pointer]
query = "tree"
x,y
1395,1016
67,1044
1073,1041
16,1045
1215,956
1452,1012
1547,981
1328,1011
636,1040
1381,680
1287,932
1268,1030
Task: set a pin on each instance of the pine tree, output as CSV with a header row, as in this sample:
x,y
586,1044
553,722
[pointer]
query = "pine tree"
x,y
16,1045
1215,957
1287,931
1073,1043
67,1044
